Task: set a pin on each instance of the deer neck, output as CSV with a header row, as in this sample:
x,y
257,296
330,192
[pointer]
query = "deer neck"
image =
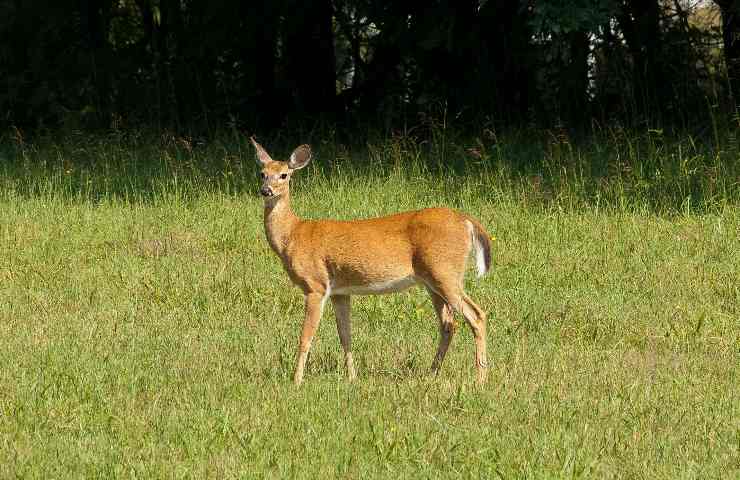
x,y
279,222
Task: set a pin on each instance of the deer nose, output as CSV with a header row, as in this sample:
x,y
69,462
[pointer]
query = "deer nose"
x,y
266,191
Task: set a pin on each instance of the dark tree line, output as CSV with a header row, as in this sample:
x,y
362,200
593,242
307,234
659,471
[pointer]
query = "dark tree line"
x,y
202,64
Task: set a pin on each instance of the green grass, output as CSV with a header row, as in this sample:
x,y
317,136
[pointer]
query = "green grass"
x,y
146,329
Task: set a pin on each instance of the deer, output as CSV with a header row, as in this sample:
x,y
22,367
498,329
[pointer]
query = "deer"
x,y
333,260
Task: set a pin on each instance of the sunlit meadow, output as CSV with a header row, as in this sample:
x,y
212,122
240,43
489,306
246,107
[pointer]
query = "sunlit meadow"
x,y
147,330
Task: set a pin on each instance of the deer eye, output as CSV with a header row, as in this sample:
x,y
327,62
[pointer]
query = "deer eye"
x,y
284,176
263,175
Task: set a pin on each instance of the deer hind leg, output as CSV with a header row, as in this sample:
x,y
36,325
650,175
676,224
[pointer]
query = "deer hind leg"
x,y
344,328
451,291
447,328
314,308
477,320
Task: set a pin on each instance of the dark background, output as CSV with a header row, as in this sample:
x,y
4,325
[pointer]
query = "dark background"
x,y
360,65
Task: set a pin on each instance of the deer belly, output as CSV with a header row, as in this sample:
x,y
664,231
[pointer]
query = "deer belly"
x,y
377,287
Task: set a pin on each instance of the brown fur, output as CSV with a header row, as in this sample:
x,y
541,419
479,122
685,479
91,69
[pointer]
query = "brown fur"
x,y
336,259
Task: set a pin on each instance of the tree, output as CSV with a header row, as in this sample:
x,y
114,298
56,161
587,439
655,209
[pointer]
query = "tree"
x,y
639,21
197,64
565,32
265,107
731,41
309,55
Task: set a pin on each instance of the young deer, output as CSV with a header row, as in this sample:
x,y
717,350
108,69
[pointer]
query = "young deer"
x,y
335,259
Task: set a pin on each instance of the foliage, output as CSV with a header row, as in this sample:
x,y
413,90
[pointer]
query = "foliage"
x,y
197,66
147,330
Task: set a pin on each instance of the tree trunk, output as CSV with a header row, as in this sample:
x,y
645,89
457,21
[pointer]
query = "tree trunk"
x,y
150,42
574,91
309,55
259,51
169,35
380,80
731,40
97,19
446,54
639,20
505,59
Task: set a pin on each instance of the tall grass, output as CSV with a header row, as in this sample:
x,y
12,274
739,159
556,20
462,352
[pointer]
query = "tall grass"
x,y
613,169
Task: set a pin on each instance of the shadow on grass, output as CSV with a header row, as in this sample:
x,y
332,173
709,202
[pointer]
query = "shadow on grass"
x,y
612,169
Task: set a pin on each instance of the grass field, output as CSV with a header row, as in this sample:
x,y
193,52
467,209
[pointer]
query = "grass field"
x,y
147,331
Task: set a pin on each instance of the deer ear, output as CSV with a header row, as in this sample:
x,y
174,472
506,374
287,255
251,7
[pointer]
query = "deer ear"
x,y
263,158
300,157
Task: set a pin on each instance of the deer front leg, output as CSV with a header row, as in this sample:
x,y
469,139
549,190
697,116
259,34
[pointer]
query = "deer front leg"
x,y
344,328
314,307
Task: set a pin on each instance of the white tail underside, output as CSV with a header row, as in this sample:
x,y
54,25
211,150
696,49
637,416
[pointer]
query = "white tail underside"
x,y
480,260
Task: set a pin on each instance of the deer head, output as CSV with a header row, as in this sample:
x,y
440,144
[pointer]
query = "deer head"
x,y
276,174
